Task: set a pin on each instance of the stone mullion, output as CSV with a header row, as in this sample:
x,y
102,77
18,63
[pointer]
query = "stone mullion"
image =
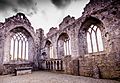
x,y
96,40
66,47
50,51
53,53
91,37
21,49
91,41
25,51
13,48
18,50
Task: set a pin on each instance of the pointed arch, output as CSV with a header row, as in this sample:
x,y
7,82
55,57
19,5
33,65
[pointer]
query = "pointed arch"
x,y
49,49
19,45
94,39
63,45
90,36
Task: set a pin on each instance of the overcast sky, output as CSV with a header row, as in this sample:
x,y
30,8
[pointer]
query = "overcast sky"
x,y
42,13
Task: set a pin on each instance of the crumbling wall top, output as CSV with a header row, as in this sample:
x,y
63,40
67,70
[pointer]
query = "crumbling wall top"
x,y
39,32
66,21
18,18
97,5
52,30
1,24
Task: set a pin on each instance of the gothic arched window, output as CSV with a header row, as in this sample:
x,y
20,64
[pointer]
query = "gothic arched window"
x,y
67,50
49,48
94,39
51,51
19,47
63,45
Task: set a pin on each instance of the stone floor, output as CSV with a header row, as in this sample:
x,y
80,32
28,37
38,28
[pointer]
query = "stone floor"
x,y
48,77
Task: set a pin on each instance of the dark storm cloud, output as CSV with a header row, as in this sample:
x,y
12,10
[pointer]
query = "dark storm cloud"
x,y
15,9
25,3
18,5
61,3
4,4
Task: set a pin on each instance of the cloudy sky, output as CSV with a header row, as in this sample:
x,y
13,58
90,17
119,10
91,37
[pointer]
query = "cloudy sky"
x,y
42,13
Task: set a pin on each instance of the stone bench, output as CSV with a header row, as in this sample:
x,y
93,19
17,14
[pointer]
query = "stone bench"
x,y
23,70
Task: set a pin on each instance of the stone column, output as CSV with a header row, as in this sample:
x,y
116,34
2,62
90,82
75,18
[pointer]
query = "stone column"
x,y
39,39
1,46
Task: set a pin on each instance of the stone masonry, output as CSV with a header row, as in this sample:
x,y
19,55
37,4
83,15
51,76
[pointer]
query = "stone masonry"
x,y
104,64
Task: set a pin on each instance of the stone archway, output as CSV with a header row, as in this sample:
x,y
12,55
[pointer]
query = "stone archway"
x,y
7,46
14,25
83,32
49,49
63,45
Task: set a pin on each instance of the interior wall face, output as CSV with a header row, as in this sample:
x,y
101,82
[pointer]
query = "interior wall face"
x,y
104,14
105,64
11,26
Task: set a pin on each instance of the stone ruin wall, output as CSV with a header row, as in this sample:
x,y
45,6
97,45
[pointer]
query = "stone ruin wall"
x,y
99,65
12,25
104,64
